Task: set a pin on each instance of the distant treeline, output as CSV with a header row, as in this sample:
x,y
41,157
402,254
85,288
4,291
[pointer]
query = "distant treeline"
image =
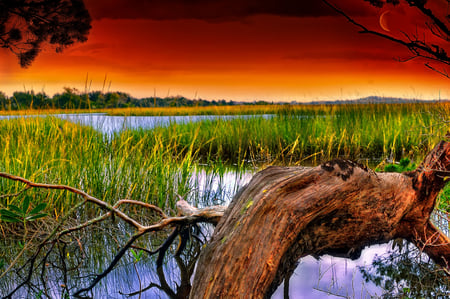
x,y
72,99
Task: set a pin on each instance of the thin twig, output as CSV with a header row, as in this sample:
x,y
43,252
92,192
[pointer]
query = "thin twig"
x,y
86,196
192,216
417,47
15,194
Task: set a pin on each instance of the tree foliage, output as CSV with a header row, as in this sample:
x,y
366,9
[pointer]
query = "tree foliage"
x,y
26,26
72,98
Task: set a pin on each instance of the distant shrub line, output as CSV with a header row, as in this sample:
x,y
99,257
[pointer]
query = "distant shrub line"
x,y
71,98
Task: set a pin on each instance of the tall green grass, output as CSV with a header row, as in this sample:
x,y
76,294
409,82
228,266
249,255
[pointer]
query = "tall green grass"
x,y
157,165
206,110
53,151
312,134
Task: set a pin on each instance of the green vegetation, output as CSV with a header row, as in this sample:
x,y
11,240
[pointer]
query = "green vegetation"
x,y
23,214
156,166
52,151
404,164
15,214
197,110
311,134
71,98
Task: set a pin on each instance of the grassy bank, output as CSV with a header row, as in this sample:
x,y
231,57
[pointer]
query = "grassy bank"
x,y
275,109
161,111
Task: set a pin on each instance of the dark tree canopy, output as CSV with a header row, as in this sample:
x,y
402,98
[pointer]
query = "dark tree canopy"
x,y
27,25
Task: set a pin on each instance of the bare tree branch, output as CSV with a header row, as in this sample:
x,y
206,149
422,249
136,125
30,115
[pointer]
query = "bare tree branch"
x,y
418,48
188,216
83,194
443,72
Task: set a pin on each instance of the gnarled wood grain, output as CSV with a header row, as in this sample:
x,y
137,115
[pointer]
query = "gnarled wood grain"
x,y
338,208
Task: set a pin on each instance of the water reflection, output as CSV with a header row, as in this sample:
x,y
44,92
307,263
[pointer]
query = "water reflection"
x,y
332,277
441,220
112,124
72,264
217,188
63,268
407,273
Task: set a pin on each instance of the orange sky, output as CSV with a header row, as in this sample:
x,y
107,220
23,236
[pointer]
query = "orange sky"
x,y
245,56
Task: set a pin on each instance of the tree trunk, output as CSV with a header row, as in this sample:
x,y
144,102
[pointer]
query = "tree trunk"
x,y
338,208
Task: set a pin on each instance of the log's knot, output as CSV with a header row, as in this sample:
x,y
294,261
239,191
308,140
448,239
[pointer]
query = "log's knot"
x,y
344,169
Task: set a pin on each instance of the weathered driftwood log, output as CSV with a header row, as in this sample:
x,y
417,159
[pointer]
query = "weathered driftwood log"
x,y
338,208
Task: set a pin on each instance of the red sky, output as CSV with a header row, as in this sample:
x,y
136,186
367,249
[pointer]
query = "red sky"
x,y
234,50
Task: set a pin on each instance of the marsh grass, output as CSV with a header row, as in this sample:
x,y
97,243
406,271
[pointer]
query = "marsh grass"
x,y
157,165
54,151
159,111
29,112
312,134
206,110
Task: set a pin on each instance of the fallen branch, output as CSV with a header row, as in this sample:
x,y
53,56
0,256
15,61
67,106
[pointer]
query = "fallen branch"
x,y
187,216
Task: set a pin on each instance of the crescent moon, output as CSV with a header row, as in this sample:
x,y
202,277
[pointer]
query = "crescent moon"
x,y
383,21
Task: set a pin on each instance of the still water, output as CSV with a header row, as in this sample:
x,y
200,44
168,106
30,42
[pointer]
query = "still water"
x,y
112,124
74,266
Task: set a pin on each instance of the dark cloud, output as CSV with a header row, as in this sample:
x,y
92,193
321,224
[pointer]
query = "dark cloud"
x,y
212,10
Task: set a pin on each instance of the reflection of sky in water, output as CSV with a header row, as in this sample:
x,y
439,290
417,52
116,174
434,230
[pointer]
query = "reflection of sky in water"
x,y
330,275
111,124
325,278
441,220
217,189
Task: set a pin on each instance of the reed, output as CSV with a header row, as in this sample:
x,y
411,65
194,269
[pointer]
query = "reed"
x,y
159,111
368,133
157,165
55,151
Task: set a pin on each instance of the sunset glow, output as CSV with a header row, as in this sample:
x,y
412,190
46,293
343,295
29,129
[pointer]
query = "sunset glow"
x,y
272,57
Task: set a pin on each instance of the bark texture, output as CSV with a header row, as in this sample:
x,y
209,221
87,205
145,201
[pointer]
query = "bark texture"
x,y
337,208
